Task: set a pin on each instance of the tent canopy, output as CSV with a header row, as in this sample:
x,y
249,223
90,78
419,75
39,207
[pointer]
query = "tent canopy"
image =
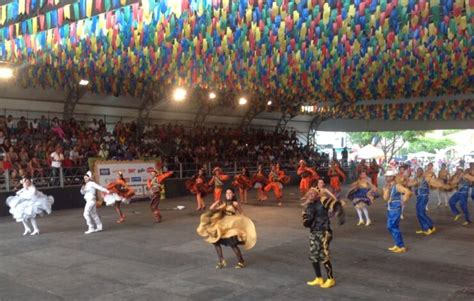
x,y
370,152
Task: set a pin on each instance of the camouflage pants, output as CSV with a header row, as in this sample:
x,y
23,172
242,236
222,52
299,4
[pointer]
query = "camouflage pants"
x,y
319,246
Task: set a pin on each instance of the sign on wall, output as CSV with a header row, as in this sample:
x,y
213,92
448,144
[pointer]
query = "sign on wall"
x,y
136,173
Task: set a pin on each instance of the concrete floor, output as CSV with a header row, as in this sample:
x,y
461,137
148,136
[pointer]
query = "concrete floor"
x,y
140,260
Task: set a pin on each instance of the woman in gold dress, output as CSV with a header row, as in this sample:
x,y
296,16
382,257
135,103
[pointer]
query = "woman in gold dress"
x,y
224,224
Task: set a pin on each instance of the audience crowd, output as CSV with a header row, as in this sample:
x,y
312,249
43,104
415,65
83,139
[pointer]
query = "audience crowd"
x,y
41,147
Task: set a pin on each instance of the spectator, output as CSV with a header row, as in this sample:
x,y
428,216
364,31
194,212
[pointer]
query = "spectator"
x,y
57,158
103,153
94,125
35,126
10,125
35,168
22,125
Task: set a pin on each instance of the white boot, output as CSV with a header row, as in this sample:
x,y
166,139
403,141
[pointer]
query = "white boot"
x,y
367,218
99,228
89,231
27,228
35,227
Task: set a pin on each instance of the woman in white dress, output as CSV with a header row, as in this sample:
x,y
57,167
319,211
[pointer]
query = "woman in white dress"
x,y
27,204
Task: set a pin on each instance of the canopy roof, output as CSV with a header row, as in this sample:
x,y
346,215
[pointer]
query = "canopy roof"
x,y
344,59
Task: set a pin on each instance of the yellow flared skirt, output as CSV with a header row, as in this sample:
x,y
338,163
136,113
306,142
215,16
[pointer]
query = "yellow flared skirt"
x,y
215,225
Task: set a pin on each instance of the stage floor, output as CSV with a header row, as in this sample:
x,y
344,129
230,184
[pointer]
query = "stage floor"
x,y
141,260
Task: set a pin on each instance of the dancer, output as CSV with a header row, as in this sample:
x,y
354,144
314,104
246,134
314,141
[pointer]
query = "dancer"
x,y
319,207
471,172
243,182
323,191
155,185
429,174
362,166
225,224
392,194
422,183
443,195
276,179
88,190
197,185
402,178
461,180
218,180
260,180
121,193
334,173
362,193
27,204
374,170
308,176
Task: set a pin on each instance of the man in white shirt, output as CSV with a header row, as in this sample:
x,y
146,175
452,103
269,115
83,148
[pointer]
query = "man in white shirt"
x,y
94,125
57,158
89,190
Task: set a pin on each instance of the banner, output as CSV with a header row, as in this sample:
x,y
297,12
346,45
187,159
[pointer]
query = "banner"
x,y
136,173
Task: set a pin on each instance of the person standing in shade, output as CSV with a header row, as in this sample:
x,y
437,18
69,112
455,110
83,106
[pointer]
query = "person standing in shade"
x,y
395,194
89,191
57,159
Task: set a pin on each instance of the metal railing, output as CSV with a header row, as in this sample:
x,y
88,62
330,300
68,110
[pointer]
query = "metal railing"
x,y
73,176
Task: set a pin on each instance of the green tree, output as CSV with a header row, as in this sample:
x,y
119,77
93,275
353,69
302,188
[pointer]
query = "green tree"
x,y
361,138
392,142
431,145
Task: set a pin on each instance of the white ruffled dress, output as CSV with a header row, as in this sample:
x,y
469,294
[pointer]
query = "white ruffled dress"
x,y
28,203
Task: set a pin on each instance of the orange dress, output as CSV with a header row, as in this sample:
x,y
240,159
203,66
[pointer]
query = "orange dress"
x,y
218,182
276,181
334,173
308,175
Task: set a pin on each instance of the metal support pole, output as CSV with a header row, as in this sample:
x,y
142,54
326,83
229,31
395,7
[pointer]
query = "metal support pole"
x,y
7,180
61,177
180,170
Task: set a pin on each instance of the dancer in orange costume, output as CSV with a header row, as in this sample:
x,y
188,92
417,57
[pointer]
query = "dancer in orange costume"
x,y
259,181
334,173
374,170
308,176
120,193
218,180
362,167
243,182
155,185
198,186
276,179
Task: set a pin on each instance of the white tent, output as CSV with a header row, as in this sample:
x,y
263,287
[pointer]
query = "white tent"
x,y
370,152
421,155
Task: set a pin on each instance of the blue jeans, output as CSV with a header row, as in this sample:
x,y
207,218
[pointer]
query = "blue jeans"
x,y
393,226
460,198
425,221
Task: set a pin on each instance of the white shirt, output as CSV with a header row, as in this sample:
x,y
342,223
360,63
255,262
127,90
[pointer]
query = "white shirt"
x,y
73,155
89,191
94,126
57,159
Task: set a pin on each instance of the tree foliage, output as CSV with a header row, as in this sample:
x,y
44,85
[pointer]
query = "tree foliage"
x,y
390,142
431,145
